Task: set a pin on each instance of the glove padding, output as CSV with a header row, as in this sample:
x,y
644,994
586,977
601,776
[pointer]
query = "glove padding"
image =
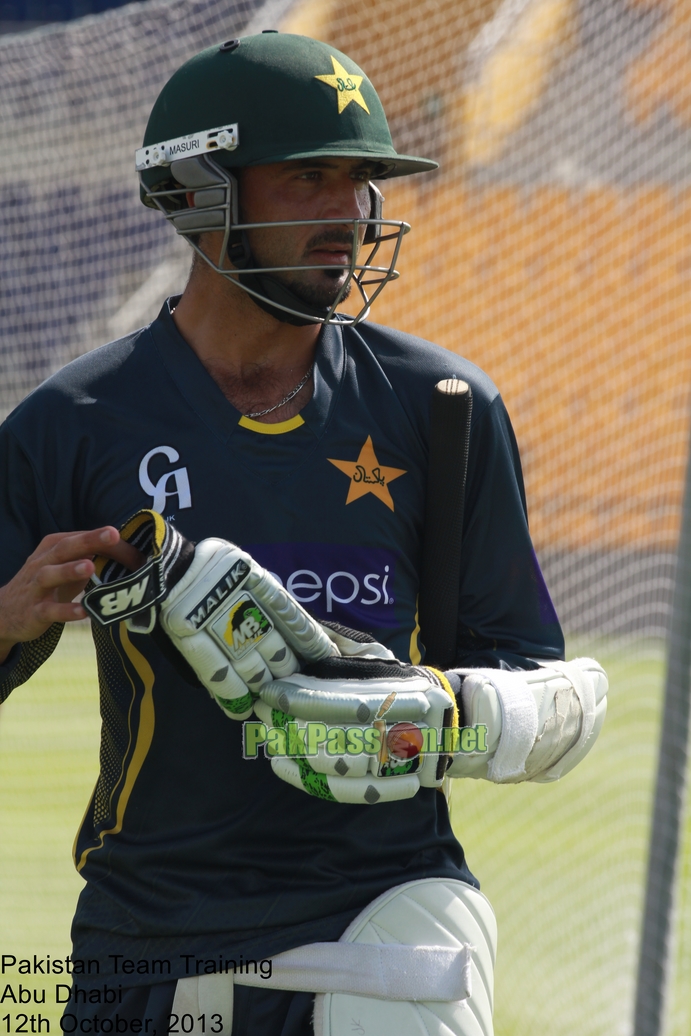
x,y
227,616
364,699
540,723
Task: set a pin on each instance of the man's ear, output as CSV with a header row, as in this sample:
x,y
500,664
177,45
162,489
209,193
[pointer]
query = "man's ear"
x,y
190,199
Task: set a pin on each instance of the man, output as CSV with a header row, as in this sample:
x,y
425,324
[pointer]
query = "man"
x,y
251,412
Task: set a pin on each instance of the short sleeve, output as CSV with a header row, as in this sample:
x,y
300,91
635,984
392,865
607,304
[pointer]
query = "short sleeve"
x,y
506,616
25,518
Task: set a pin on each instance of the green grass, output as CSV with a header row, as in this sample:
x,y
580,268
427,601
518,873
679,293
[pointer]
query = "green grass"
x,y
563,864
49,731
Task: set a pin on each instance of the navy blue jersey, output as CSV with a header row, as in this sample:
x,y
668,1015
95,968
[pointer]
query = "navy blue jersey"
x,y
186,847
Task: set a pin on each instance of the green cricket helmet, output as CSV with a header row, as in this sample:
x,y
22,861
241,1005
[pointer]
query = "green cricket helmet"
x,y
272,97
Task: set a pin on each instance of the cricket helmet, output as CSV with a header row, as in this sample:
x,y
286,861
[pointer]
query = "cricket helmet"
x,y
273,97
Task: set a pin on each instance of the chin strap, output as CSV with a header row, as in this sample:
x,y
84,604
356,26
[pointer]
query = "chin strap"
x,y
269,289
272,289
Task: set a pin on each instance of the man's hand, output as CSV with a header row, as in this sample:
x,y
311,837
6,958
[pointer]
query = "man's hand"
x,y
43,590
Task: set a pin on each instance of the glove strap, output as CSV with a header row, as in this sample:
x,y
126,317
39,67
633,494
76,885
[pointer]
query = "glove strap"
x,y
450,719
115,594
446,685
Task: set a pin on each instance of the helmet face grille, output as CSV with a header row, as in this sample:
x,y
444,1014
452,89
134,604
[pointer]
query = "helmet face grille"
x,y
216,209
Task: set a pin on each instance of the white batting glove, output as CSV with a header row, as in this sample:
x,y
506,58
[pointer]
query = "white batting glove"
x,y
229,618
538,724
363,730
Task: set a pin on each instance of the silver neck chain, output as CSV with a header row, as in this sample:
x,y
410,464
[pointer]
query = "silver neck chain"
x,y
286,399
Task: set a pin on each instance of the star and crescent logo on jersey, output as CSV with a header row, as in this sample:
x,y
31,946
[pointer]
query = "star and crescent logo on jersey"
x,y
367,475
346,85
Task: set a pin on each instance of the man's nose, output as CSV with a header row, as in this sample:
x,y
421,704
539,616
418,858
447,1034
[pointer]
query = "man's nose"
x,y
345,199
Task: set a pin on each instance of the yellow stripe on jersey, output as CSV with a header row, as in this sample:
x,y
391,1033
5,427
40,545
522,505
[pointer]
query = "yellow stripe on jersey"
x,y
414,650
271,429
144,737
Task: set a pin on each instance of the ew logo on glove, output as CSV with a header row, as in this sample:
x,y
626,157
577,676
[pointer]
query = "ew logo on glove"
x,y
133,595
218,594
241,629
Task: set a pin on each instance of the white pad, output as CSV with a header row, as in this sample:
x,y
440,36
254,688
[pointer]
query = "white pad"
x,y
200,997
418,961
388,972
437,912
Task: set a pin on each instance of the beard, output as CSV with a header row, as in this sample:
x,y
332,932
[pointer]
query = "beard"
x,y
320,293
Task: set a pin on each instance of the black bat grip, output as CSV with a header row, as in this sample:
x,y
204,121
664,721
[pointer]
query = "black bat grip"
x,y
451,408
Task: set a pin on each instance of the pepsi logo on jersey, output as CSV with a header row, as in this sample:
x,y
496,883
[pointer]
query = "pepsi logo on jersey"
x,y
345,583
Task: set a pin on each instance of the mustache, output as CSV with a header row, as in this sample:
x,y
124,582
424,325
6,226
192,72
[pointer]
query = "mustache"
x,y
330,237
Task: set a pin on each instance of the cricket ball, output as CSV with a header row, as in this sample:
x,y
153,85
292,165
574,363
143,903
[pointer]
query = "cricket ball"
x,y
404,741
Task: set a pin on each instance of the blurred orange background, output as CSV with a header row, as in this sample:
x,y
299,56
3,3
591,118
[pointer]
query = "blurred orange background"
x,y
575,299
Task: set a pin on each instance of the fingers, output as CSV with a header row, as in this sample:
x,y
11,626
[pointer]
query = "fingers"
x,y
358,790
43,590
81,570
125,553
73,573
220,679
300,631
62,547
277,655
347,701
55,611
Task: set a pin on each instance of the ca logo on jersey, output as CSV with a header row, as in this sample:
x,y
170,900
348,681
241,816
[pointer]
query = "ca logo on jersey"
x,y
171,483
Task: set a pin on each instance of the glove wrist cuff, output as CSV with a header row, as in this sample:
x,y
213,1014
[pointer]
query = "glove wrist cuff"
x,y
114,593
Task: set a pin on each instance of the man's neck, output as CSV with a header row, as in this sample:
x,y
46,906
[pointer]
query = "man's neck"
x,y
255,359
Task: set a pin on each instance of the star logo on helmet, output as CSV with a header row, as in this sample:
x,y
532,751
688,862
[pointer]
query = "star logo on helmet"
x,y
347,86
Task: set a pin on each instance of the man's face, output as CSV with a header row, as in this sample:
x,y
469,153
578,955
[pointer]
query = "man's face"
x,y
310,189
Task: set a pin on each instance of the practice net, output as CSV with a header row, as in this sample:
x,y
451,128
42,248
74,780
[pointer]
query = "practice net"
x,y
552,248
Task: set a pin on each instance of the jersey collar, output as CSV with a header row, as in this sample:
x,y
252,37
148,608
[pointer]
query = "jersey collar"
x,y
204,396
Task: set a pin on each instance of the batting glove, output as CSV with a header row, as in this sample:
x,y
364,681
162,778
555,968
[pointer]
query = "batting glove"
x,y
537,724
360,730
227,616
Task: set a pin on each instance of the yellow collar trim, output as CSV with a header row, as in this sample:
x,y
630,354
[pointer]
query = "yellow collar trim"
x,y
271,429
